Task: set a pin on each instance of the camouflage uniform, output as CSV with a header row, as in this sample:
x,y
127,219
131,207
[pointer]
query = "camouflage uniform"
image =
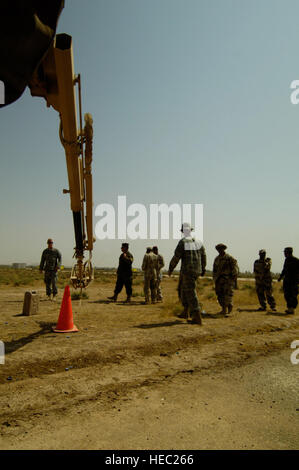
x,y
263,282
192,254
150,268
225,272
50,263
161,264
124,274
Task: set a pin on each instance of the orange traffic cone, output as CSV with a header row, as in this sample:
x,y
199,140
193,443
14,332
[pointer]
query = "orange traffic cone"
x,y
65,322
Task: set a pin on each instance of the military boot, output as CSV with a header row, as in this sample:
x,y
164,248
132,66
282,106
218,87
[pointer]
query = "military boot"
x,y
223,311
184,313
196,318
290,311
113,297
128,300
229,309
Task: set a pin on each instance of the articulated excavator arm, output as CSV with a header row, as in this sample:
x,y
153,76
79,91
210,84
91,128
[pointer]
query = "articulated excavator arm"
x,y
34,56
55,80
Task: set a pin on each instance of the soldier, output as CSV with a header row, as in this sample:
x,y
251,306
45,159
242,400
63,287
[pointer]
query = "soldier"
x,y
124,273
150,268
263,281
192,254
161,264
290,276
50,263
225,272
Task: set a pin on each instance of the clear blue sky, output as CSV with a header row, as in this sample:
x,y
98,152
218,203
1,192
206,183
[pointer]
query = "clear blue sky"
x,y
191,104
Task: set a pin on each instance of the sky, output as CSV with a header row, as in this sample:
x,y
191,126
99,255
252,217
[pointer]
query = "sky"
x,y
191,105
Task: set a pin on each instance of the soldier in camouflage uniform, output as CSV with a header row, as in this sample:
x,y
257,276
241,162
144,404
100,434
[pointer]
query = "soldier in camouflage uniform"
x,y
290,276
150,268
225,272
161,264
124,273
192,254
263,281
50,263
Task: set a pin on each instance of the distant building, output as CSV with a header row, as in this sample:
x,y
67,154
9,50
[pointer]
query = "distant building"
x,y
19,265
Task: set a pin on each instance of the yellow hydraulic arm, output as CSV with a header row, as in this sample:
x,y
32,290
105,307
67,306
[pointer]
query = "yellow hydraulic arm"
x,y
31,54
55,80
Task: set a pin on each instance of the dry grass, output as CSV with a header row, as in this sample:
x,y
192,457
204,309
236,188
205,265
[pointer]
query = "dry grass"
x,y
29,277
78,295
244,295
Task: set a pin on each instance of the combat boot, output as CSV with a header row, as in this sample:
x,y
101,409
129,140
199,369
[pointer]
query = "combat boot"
x,y
113,297
196,318
128,300
184,313
223,311
229,309
261,309
290,311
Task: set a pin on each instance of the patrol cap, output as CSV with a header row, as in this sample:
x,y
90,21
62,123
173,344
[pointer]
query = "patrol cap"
x,y
220,245
125,245
149,249
262,251
288,249
186,226
50,240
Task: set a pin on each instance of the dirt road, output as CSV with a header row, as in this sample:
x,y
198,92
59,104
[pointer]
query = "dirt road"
x,y
138,377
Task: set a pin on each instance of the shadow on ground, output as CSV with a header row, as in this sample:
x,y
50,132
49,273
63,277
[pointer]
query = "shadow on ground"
x,y
247,310
280,314
158,325
212,315
14,345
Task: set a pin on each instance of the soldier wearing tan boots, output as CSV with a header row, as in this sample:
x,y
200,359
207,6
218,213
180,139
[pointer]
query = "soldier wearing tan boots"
x,y
225,273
